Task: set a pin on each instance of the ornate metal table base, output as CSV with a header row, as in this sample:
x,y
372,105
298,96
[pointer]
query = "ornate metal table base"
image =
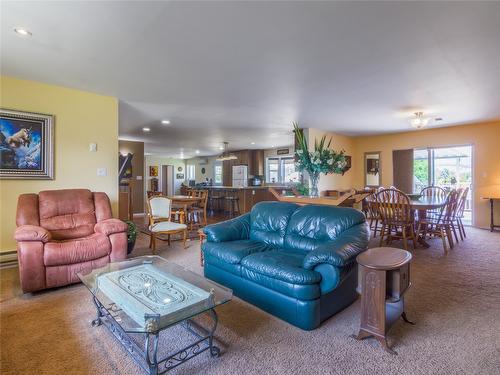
x,y
147,358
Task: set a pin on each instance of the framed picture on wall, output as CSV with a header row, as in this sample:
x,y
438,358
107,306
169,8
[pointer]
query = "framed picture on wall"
x,y
153,171
180,176
26,145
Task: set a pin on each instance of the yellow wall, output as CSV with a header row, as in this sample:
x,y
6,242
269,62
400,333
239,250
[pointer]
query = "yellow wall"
x,y
485,137
80,118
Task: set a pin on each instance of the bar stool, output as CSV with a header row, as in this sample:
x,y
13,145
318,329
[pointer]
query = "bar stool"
x,y
232,203
215,201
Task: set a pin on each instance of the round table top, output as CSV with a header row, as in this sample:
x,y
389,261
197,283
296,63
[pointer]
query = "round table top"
x,y
426,203
384,258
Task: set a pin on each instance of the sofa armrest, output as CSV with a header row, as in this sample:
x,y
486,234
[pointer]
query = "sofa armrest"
x,y
230,230
32,233
110,226
342,251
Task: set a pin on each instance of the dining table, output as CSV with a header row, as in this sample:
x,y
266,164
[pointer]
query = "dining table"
x,y
184,200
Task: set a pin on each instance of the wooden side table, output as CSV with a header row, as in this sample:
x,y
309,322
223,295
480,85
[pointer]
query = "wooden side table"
x,y
383,279
202,236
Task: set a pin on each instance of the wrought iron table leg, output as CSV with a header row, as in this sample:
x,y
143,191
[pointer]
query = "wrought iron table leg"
x,y
214,350
97,321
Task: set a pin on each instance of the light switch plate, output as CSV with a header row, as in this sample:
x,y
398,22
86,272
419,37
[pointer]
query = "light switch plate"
x,y
138,177
92,147
102,172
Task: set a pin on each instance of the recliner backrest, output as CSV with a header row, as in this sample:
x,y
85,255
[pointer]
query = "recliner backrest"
x,y
313,225
68,213
269,220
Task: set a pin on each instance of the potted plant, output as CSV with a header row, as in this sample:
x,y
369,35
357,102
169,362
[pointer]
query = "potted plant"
x,y
131,236
321,160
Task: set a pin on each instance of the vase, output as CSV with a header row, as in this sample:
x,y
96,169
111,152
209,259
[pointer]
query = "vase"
x,y
314,179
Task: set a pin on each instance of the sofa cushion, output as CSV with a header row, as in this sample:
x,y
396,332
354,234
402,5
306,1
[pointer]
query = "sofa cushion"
x,y
303,292
281,265
312,226
269,220
233,251
77,250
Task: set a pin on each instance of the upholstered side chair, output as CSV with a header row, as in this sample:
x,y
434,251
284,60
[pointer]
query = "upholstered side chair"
x,y
160,220
62,232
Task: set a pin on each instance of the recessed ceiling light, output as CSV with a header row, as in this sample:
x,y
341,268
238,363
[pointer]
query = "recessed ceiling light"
x,y
221,148
165,122
197,151
252,143
146,129
22,31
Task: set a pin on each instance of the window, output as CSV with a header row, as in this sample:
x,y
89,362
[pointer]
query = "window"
x,y
218,174
447,167
190,172
280,170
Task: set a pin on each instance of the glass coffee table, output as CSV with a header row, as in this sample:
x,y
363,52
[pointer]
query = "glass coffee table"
x,y
141,297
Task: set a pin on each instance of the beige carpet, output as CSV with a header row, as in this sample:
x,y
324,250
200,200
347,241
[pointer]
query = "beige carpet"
x,y
454,300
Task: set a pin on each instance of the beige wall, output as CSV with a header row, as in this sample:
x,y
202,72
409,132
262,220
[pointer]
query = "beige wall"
x,y
80,118
199,163
485,137
152,160
137,149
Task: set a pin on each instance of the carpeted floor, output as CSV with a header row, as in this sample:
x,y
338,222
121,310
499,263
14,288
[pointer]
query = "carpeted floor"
x,y
454,300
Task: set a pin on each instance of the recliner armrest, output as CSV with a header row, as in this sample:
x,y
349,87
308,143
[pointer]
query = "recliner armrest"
x,y
230,230
32,233
110,226
342,251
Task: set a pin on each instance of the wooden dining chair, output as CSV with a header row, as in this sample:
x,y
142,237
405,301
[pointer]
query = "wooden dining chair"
x,y
396,215
198,211
160,221
435,192
441,225
373,215
459,215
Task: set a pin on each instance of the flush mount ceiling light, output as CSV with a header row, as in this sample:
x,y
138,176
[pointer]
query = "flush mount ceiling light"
x,y
146,129
165,122
197,151
226,155
22,31
419,121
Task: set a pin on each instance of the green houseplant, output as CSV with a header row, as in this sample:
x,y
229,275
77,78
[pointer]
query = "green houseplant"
x,y
131,236
321,160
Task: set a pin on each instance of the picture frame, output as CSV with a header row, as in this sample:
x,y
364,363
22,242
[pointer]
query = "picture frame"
x,y
153,171
180,176
26,145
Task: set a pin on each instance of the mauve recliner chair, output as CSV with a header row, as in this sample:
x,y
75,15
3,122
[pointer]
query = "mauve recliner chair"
x,y
62,232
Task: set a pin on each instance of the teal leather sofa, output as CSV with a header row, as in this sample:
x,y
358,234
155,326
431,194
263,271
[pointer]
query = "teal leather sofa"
x,y
295,262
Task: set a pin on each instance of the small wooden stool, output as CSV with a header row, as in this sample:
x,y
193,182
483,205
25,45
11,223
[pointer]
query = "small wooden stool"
x,y
383,278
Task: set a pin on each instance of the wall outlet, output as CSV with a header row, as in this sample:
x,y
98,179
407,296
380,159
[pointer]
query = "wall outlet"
x,y
101,172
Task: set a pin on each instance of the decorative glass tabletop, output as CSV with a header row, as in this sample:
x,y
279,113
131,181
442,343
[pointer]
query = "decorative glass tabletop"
x,y
149,293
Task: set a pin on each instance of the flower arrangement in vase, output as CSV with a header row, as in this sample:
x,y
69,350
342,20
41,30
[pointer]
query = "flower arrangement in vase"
x,y
321,160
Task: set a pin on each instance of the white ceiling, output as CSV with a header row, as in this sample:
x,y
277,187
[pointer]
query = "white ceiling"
x,y
243,71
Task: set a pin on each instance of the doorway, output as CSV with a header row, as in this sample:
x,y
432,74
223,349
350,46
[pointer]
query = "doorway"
x,y
446,167
167,179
